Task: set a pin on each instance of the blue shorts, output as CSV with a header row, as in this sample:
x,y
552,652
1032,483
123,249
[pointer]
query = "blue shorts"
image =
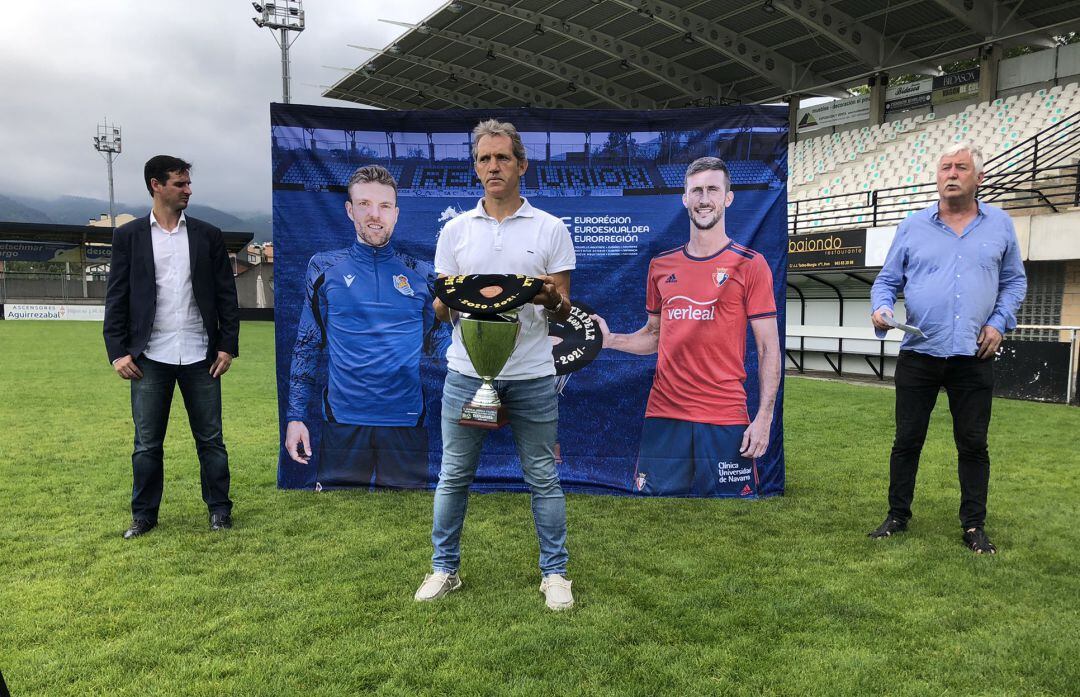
x,y
350,456
684,458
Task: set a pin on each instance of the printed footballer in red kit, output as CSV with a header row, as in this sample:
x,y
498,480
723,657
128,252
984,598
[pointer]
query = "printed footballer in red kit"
x,y
698,438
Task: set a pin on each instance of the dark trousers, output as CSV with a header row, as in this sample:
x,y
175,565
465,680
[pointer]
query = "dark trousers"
x,y
969,384
349,455
151,401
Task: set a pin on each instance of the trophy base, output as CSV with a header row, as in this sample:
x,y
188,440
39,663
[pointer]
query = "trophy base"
x,y
484,416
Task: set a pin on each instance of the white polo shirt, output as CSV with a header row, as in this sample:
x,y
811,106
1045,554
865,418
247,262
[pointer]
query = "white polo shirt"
x,y
529,242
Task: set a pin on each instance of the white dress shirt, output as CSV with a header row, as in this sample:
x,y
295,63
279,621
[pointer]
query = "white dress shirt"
x,y
178,336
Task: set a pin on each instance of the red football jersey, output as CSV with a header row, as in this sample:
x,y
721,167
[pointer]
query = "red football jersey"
x,y
704,306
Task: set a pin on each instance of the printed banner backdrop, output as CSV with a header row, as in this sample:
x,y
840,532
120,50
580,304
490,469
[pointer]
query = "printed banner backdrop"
x,y
614,177
86,313
835,113
956,86
15,250
911,95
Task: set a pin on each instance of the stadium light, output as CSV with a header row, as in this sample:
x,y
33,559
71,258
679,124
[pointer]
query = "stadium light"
x,y
108,143
283,16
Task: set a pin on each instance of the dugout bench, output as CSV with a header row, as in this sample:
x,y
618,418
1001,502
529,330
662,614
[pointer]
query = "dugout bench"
x,y
840,341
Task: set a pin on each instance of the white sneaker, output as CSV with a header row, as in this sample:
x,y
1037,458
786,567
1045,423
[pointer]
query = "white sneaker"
x,y
556,590
436,586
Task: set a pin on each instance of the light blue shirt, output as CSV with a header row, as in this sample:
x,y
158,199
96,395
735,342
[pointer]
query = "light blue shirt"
x,y
953,284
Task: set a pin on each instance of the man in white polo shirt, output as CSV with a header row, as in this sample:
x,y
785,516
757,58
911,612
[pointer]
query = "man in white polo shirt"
x,y
504,234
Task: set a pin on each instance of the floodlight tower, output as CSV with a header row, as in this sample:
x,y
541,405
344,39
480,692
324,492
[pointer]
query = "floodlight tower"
x,y
285,16
107,142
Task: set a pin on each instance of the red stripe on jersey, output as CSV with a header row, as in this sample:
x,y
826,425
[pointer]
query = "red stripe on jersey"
x,y
704,307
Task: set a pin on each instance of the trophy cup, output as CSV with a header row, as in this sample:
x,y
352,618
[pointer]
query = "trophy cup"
x,y
489,328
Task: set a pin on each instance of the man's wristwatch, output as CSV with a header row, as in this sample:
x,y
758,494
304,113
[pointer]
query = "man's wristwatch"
x,y
558,307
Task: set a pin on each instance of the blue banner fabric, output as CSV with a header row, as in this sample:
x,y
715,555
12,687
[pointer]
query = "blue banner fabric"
x,y
615,178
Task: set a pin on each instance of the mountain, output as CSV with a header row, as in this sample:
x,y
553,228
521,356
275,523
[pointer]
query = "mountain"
x,y
17,212
78,210
262,224
73,210
214,216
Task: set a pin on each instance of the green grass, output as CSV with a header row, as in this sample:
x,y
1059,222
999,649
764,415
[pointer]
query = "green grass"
x,y
312,594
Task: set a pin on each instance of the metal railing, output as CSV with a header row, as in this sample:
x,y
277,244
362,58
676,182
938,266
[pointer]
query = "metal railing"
x,y
1040,172
45,285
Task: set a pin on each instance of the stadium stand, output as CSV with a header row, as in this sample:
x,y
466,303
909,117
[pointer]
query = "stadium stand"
x,y
673,174
894,162
743,172
751,172
870,178
903,152
439,177
332,170
578,177
422,177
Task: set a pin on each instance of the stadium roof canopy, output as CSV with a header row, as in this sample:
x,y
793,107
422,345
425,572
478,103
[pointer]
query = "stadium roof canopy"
x,y
646,54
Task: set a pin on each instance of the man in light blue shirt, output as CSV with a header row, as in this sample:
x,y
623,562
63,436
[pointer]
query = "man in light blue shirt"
x,y
959,266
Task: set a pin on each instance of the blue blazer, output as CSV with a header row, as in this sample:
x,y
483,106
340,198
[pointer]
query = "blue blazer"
x,y
131,297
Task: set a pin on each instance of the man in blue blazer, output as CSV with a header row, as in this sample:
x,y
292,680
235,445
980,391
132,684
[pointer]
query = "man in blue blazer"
x,y
171,318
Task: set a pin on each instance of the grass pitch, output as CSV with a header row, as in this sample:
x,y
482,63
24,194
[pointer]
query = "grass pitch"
x,y
312,594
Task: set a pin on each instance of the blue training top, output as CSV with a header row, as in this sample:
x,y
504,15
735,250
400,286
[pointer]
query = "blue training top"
x,y
370,308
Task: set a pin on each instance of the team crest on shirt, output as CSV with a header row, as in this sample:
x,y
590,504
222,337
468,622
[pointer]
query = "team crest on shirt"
x,y
401,284
639,481
719,276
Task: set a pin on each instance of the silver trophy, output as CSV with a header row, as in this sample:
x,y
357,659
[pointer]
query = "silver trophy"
x,y
489,340
489,327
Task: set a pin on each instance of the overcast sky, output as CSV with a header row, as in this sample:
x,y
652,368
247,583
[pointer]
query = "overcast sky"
x,y
192,79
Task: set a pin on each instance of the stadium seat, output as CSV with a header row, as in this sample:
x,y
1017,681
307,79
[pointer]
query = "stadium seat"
x,y
903,152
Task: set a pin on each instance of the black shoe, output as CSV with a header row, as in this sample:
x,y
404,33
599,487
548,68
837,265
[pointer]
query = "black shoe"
x,y
978,542
220,521
138,527
890,527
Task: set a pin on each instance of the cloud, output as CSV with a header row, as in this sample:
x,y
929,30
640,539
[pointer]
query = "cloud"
x,y
194,80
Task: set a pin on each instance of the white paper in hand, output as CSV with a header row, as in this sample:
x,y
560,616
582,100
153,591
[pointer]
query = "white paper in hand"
x,y
891,321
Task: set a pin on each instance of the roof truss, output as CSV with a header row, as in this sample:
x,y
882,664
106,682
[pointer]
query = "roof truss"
x,y
859,39
757,58
991,19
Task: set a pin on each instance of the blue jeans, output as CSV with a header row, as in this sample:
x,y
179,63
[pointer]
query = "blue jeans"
x,y
533,409
151,401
